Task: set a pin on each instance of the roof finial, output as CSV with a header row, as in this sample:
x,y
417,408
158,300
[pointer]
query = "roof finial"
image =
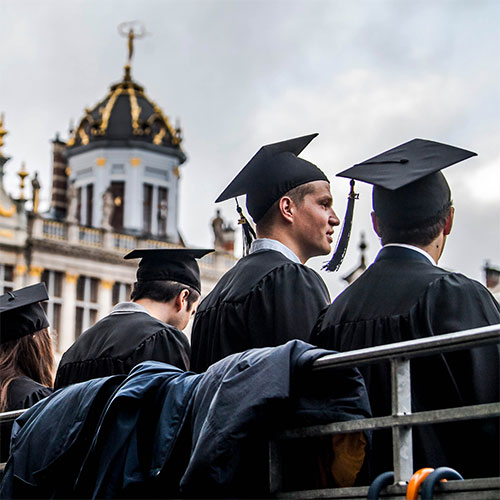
x,y
2,133
131,30
22,174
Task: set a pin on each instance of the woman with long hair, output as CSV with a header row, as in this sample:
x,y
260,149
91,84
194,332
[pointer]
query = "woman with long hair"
x,y
26,354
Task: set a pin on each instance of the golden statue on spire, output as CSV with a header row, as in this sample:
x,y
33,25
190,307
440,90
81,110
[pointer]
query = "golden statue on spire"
x,y
131,30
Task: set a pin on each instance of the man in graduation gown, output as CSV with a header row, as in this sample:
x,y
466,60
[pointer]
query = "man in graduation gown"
x,y
270,296
149,327
404,295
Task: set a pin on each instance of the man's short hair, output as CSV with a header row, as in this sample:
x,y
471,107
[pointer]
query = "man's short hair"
x,y
163,291
297,195
421,234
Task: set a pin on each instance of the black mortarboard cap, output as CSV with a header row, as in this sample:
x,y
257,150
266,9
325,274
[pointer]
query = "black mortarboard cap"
x,y
408,184
273,171
21,312
173,264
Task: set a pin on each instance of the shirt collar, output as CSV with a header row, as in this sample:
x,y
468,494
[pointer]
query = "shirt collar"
x,y
261,244
411,247
128,307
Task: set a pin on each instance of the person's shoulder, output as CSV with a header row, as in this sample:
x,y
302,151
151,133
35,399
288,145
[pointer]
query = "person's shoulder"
x,y
24,392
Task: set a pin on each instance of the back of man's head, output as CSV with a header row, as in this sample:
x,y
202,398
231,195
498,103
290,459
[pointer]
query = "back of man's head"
x,y
162,291
414,214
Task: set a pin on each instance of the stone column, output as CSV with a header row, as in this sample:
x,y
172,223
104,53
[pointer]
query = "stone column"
x,y
35,275
67,330
20,276
105,298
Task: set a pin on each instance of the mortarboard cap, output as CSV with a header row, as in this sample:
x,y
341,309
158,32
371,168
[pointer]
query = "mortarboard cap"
x,y
175,264
408,184
274,170
21,312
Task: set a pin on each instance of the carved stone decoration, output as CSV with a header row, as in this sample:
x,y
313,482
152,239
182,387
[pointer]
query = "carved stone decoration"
x,y
223,234
108,206
72,197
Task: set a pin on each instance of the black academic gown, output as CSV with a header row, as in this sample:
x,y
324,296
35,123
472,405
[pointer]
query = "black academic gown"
x,y
22,393
118,342
265,300
402,296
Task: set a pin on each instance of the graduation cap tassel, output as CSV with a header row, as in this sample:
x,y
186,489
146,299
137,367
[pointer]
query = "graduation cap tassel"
x,y
341,249
248,231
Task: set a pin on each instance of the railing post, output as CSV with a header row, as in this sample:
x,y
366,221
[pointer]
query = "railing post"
x,y
402,445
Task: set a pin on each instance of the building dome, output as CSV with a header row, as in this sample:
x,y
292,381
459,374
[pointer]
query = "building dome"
x,y
126,117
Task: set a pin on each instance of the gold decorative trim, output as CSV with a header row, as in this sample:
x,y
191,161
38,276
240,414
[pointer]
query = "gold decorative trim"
x,y
135,161
158,138
83,136
177,172
135,111
7,212
5,233
106,113
71,278
107,285
36,271
101,161
20,270
67,171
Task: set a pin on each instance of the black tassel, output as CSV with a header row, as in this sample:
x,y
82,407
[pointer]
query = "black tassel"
x,y
248,231
340,251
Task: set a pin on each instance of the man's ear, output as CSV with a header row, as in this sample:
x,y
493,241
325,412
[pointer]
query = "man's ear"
x,y
449,222
375,223
181,300
287,208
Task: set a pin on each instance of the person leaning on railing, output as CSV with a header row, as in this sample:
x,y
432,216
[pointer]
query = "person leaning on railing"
x,y
404,295
26,354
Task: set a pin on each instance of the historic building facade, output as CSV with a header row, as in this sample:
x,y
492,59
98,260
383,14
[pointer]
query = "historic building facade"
x,y
115,187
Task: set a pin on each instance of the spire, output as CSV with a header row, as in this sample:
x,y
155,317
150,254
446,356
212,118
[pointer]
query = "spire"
x,y
131,30
22,175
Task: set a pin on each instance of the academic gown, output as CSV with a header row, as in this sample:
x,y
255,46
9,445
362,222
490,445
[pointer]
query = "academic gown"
x,y
402,296
265,300
22,393
118,342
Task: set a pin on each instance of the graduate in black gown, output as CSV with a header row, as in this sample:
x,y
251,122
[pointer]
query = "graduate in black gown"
x,y
270,296
148,328
404,295
26,354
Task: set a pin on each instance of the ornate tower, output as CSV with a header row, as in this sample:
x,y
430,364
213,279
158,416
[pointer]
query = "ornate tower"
x,y
123,160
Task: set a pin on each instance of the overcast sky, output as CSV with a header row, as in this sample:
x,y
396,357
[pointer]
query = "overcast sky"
x,y
366,75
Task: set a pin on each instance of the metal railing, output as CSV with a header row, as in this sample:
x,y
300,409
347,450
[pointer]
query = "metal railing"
x,y
402,419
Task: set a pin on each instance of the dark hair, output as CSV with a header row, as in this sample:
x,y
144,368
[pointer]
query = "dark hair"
x,y
31,356
423,233
297,195
163,291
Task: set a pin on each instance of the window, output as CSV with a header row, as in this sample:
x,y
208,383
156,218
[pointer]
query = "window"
x,y
147,207
6,278
86,303
121,292
53,281
90,204
118,190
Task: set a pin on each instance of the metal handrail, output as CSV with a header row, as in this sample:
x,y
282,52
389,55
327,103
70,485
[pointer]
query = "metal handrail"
x,y
402,419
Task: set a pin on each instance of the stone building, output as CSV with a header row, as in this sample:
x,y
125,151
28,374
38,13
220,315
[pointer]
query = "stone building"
x,y
115,187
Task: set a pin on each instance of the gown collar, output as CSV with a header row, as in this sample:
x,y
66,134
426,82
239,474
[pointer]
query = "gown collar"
x,y
403,252
261,244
